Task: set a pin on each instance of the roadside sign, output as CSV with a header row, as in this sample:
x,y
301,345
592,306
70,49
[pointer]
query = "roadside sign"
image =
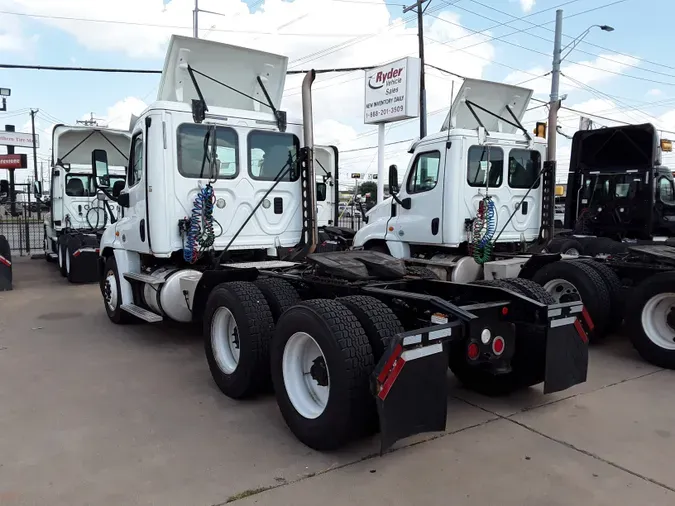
x,y
13,162
18,139
392,91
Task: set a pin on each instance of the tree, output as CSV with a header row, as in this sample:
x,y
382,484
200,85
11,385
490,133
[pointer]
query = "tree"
x,y
369,187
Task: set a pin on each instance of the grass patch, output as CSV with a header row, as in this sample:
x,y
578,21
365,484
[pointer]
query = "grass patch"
x,y
246,493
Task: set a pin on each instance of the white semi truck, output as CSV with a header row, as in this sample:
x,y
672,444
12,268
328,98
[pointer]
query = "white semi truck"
x,y
77,212
219,225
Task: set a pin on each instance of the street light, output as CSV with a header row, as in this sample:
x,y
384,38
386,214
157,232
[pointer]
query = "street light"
x,y
580,37
554,103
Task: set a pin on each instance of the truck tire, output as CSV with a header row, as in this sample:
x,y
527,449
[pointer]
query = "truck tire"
x,y
48,247
527,364
332,405
279,294
613,284
565,246
532,290
420,272
5,265
237,331
651,319
112,298
72,245
62,255
570,281
377,319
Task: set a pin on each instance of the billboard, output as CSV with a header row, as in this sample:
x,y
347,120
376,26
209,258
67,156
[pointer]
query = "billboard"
x,y
392,91
18,139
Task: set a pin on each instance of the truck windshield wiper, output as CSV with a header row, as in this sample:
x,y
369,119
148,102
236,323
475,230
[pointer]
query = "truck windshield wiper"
x,y
199,108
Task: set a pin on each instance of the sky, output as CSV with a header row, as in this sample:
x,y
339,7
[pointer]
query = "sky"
x,y
626,75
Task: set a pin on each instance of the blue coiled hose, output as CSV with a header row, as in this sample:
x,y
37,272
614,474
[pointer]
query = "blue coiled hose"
x,y
484,228
200,235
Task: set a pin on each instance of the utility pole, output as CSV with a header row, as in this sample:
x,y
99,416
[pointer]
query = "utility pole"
x,y
89,122
195,20
554,103
420,40
12,187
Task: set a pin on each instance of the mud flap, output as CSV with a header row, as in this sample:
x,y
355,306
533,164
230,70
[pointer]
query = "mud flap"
x,y
566,346
410,383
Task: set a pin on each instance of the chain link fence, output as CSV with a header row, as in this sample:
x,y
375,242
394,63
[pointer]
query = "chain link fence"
x,y
22,221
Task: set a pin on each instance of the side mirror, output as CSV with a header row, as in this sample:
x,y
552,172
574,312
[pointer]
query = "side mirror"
x,y
99,167
321,192
123,199
393,179
117,188
37,189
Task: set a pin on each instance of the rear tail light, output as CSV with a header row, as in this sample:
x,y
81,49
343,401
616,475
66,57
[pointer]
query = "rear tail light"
x,y
473,351
498,345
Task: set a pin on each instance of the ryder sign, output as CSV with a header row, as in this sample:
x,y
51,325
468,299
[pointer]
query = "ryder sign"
x,y
392,91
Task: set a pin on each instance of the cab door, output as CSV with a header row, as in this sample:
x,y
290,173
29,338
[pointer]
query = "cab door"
x,y
422,189
325,168
132,228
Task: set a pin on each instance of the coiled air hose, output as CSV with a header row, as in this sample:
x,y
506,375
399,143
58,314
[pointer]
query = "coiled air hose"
x,y
484,228
200,235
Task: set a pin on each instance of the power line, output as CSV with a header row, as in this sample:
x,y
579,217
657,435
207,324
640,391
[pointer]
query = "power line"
x,y
149,71
582,41
172,27
578,50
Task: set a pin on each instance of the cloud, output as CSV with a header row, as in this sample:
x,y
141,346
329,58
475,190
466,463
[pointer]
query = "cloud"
x,y
527,5
14,40
654,92
575,75
118,116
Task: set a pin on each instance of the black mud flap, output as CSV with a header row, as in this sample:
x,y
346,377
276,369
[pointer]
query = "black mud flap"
x,y
566,346
410,383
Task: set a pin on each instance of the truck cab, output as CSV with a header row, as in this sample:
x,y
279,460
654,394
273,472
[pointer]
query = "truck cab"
x,y
619,189
482,154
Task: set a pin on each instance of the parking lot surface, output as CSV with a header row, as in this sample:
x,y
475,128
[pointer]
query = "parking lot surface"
x,y
97,414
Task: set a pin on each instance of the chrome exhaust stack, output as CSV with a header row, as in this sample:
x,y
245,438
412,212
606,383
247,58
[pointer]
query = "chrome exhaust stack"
x,y
309,182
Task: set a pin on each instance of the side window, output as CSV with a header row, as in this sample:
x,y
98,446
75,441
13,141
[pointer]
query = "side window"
x,y
524,167
269,153
321,192
666,193
78,185
485,167
424,175
136,162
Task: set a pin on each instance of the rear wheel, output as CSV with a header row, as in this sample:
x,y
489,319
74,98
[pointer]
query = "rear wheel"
x,y
565,246
651,319
62,257
575,281
613,284
377,319
237,330
279,294
321,363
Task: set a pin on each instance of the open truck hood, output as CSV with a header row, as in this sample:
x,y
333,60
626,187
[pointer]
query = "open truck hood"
x,y
615,148
234,66
74,144
494,97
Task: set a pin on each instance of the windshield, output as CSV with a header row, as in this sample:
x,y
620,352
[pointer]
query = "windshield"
x,y
191,151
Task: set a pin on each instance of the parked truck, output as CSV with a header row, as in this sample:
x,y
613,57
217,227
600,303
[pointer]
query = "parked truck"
x,y
350,341
78,213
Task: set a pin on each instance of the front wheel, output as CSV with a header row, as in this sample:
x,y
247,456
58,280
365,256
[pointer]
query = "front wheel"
x,y
62,257
112,295
650,319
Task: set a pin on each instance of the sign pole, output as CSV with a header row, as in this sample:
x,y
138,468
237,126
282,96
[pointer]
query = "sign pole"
x,y
12,192
380,162
35,164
